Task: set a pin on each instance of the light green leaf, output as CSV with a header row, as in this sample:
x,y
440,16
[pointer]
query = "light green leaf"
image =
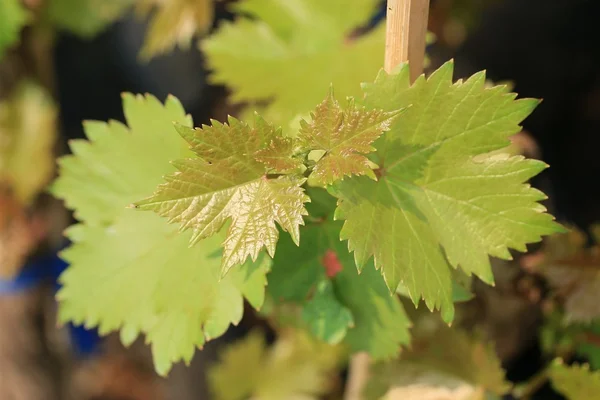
x,y
301,46
174,23
121,164
296,367
575,382
86,18
226,182
439,201
133,271
380,323
27,132
344,135
13,17
326,317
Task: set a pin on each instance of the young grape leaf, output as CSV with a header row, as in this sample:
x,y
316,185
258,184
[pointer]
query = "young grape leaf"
x,y
132,270
380,323
13,17
174,23
299,45
575,382
86,18
151,285
295,367
226,182
344,135
27,132
109,172
446,362
439,201
279,158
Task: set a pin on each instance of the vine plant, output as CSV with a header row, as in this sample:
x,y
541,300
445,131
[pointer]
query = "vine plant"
x,y
340,202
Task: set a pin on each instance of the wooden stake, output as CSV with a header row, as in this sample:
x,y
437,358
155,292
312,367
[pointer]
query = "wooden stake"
x,y
405,34
406,31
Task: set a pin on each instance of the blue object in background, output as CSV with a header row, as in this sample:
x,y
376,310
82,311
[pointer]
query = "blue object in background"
x,y
85,341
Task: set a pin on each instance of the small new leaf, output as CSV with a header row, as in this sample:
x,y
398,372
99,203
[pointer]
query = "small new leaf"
x,y
575,382
440,202
279,158
345,135
226,182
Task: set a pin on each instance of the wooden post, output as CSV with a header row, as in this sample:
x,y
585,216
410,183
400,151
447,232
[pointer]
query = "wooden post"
x,y
406,30
405,34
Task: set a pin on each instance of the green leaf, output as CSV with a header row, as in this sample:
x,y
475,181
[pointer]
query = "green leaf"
x,y
575,382
226,182
109,172
344,135
326,317
150,284
13,17
27,132
295,367
380,323
174,23
301,46
133,271
447,362
440,202
86,18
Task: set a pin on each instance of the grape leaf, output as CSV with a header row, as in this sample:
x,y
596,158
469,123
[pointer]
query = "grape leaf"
x,y
576,381
380,323
226,182
132,270
112,159
13,17
86,18
299,45
27,132
445,362
174,23
150,284
439,201
279,158
344,135
327,318
295,367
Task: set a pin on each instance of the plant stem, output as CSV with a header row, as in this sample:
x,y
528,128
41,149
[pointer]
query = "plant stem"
x,y
359,373
405,34
529,388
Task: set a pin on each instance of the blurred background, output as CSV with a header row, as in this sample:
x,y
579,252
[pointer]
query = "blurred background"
x,y
545,48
